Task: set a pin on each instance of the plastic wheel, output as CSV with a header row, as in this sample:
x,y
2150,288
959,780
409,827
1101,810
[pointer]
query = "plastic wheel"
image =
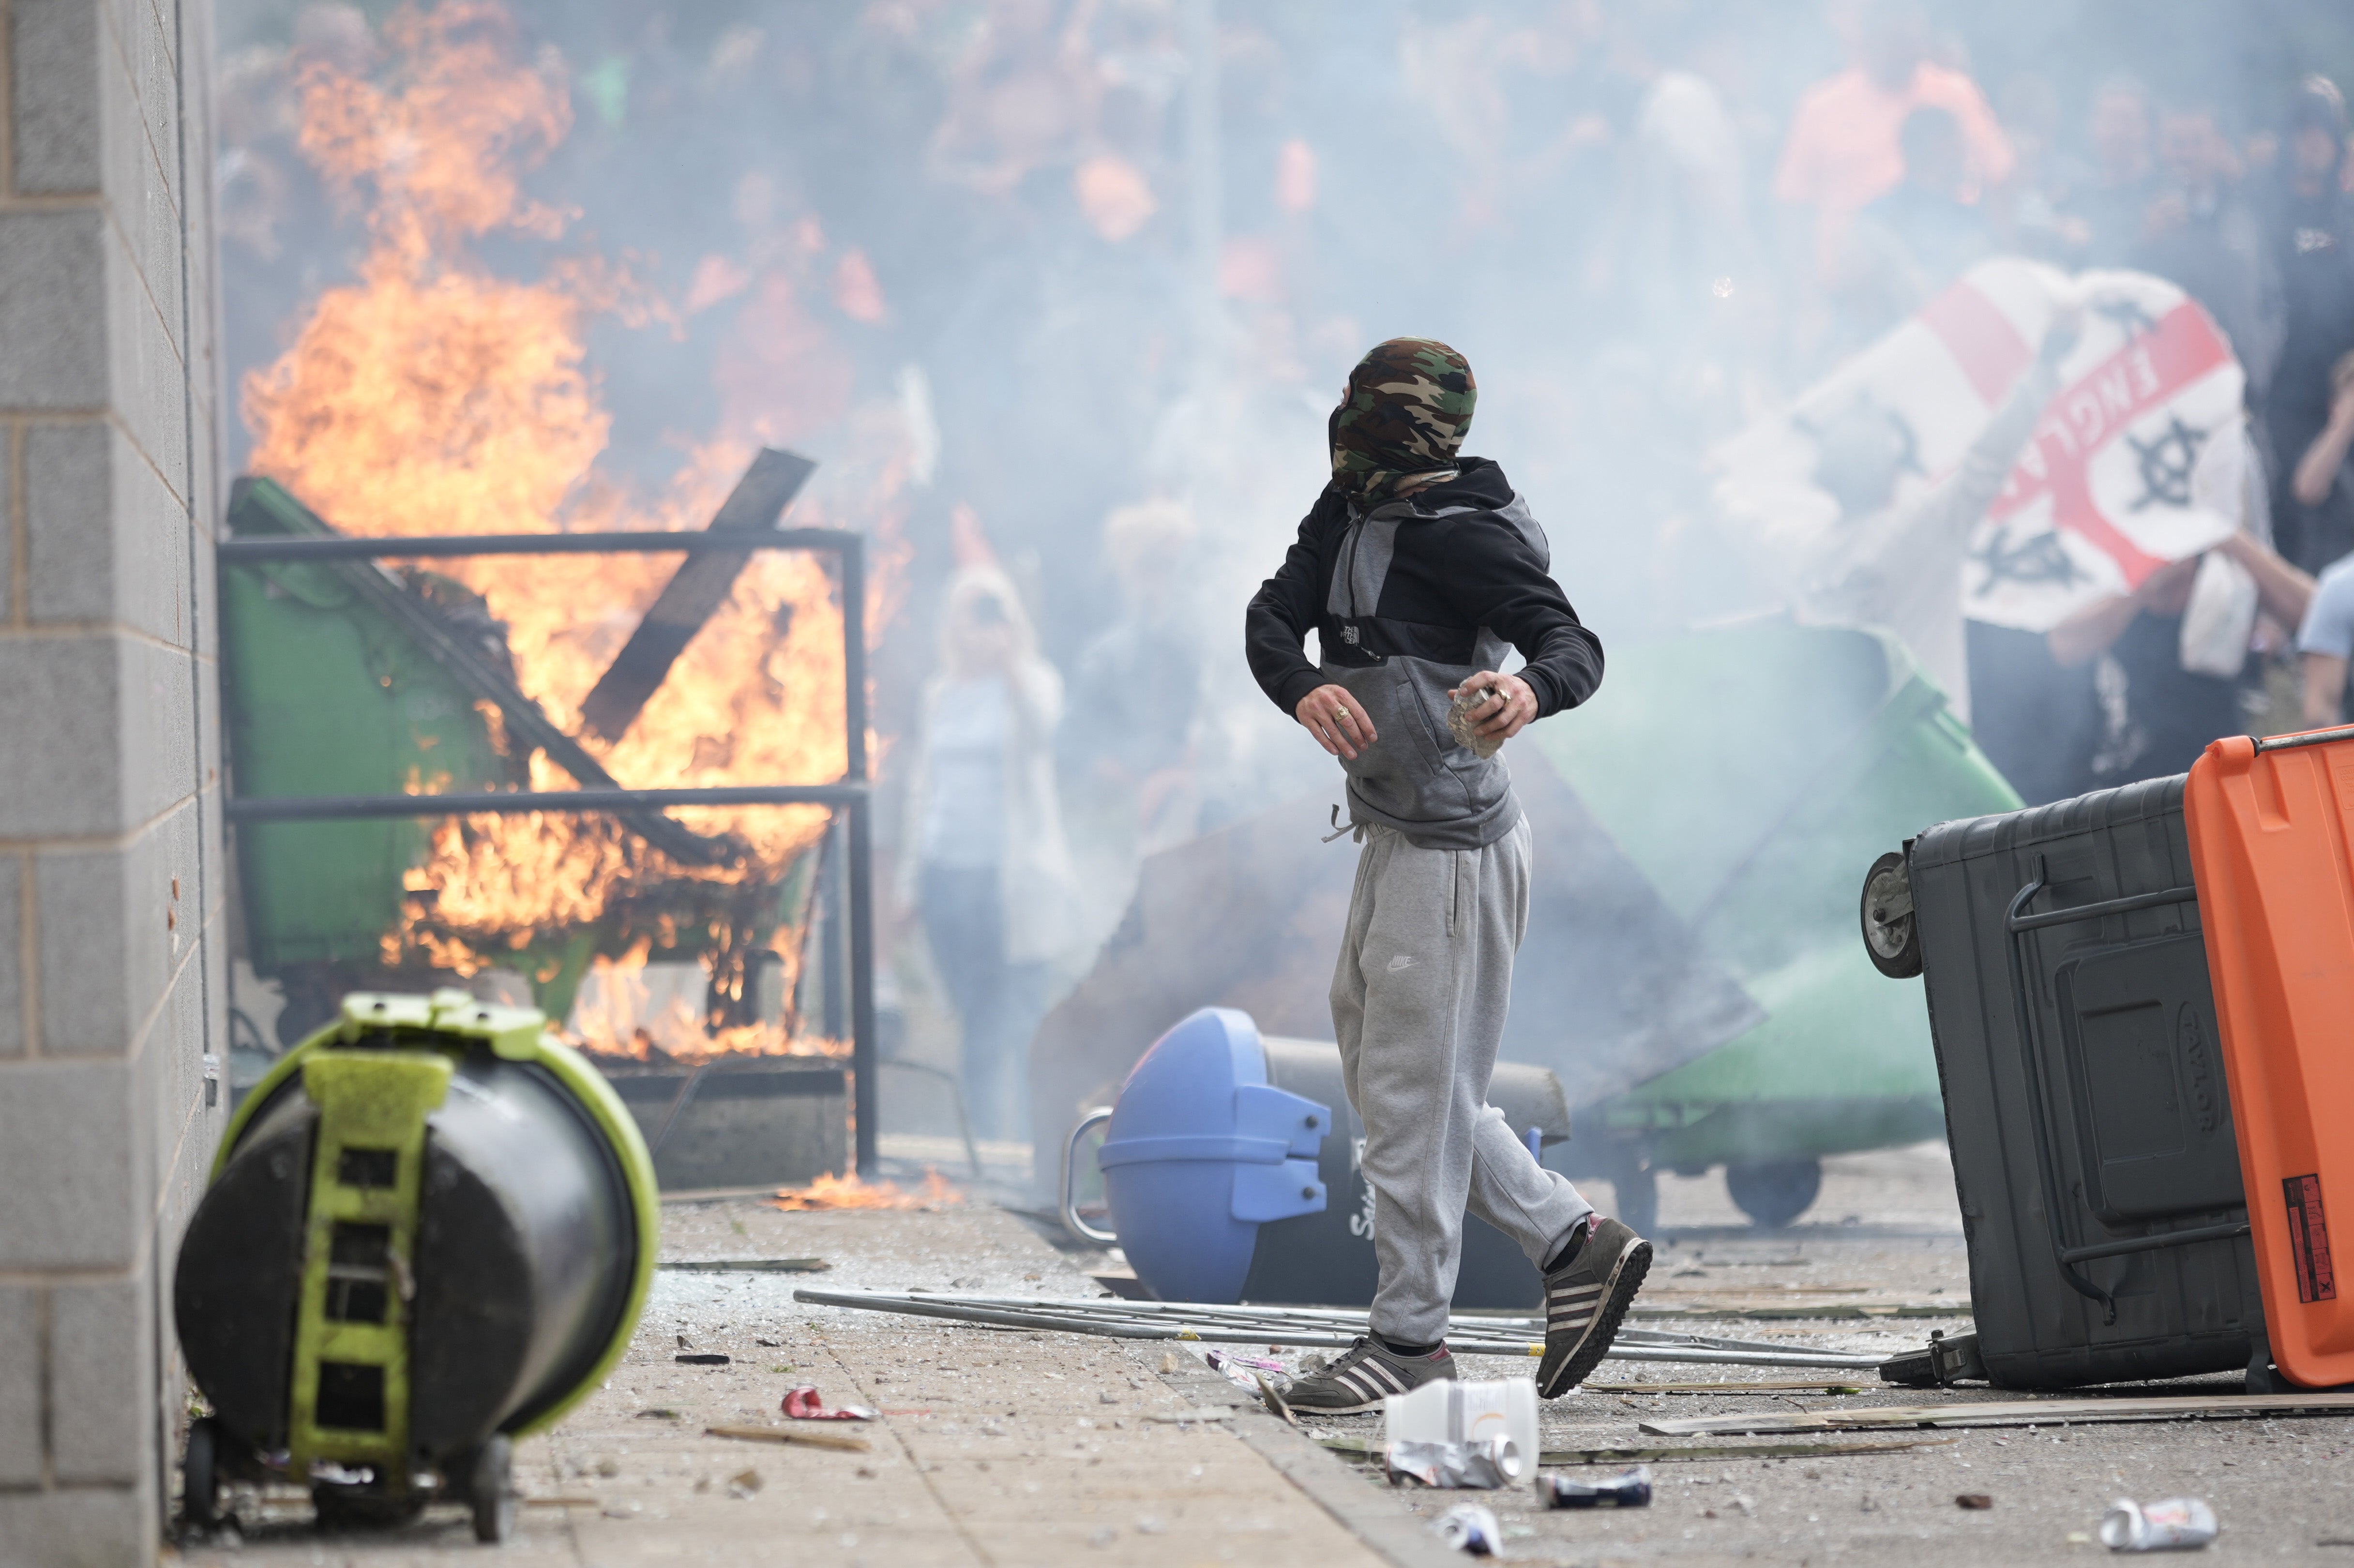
x,y
200,1475
1773,1192
1890,935
491,1488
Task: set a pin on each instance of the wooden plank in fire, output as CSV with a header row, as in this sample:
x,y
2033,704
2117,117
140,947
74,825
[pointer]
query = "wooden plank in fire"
x,y
695,592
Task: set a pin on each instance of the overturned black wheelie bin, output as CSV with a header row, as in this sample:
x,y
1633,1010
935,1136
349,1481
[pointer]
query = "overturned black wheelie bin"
x,y
430,1229
2085,1103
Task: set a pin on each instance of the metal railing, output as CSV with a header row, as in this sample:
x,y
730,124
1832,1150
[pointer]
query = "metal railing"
x,y
852,795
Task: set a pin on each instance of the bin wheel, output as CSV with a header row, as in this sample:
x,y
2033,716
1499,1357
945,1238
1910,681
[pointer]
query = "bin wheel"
x,y
490,1486
1890,935
200,1475
1773,1192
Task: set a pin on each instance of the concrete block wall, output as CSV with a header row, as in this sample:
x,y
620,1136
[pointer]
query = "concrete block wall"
x,y
112,920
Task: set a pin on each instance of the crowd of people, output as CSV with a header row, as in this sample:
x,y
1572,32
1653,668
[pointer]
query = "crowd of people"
x,y
1100,266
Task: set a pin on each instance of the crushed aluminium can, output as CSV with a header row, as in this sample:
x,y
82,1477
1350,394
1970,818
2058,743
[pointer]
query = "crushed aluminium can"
x,y
1484,1463
1630,1489
1467,1527
2178,1524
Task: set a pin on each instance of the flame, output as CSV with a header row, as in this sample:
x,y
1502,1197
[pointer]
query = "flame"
x,y
432,395
850,1192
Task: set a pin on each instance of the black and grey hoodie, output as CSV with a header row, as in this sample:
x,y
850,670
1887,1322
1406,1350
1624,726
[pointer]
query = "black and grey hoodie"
x,y
1407,599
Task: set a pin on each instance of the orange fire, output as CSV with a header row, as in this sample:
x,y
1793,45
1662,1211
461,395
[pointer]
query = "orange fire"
x,y
850,1192
432,395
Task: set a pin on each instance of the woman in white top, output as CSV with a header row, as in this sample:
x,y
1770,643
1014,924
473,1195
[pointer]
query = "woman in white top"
x,y
984,858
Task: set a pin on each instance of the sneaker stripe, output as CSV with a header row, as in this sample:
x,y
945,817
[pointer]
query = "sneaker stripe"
x,y
1387,1373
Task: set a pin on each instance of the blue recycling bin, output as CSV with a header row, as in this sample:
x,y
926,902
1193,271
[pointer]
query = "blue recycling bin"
x,y
1201,1150
1223,1147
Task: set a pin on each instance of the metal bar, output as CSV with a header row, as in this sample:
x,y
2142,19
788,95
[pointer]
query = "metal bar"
x,y
1208,1327
2153,1243
510,802
2312,738
865,1047
419,547
2107,907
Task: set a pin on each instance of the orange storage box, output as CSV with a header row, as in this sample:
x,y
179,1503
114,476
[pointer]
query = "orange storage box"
x,y
2272,847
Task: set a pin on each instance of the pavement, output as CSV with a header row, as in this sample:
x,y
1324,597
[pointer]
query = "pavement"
x,y
1002,1448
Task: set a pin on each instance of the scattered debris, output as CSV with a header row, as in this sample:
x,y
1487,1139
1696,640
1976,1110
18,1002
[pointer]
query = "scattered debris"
x,y
2014,1413
1467,1527
1367,1448
1974,1501
2178,1524
1149,1525
558,1502
803,1404
747,1265
794,1435
702,1359
743,1484
609,1467
1103,1536
1485,1464
1275,1402
658,1413
1106,1396
1168,1362
1242,1371
1774,1386
1629,1489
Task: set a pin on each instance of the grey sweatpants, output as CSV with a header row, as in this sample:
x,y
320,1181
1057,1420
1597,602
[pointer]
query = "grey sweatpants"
x,y
1418,1005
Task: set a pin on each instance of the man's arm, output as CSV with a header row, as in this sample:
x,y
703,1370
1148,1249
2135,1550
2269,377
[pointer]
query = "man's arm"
x,y
1281,614
2325,690
1495,580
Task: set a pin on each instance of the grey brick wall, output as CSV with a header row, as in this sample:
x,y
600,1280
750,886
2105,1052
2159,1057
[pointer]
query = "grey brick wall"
x,y
111,922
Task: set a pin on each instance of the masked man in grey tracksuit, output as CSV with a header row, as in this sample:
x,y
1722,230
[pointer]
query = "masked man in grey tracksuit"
x,y
1416,569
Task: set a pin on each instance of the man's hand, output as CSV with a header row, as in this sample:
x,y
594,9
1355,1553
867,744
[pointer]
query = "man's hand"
x,y
1509,709
1340,723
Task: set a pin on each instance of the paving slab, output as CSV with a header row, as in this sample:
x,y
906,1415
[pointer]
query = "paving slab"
x,y
1003,1446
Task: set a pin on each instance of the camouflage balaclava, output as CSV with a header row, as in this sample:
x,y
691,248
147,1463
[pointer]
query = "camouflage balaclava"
x,y
1401,418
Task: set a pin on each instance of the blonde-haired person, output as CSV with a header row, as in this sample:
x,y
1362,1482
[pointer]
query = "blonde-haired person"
x,y
984,859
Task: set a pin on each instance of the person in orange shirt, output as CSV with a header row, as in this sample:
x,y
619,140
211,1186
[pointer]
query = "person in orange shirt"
x,y
1844,149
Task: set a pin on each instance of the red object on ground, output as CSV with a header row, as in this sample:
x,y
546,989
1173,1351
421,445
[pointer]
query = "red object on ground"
x,y
803,1404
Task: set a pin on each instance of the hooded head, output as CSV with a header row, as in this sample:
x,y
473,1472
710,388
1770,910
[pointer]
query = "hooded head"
x,y
1402,419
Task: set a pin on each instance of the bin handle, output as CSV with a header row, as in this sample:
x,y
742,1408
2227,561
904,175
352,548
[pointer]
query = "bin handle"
x,y
2016,923
1070,1204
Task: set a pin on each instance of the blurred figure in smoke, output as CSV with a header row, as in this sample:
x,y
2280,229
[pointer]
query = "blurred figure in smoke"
x,y
1845,147
1418,568
2161,707
2102,219
2310,231
1139,681
1909,244
983,858
2197,232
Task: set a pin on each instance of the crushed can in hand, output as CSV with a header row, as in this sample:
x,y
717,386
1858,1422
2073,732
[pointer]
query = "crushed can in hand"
x,y
2178,1524
803,1404
1458,721
1467,1527
1629,1489
1484,1463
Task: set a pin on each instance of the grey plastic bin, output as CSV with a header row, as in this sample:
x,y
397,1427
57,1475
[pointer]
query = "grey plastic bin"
x,y
2085,1103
